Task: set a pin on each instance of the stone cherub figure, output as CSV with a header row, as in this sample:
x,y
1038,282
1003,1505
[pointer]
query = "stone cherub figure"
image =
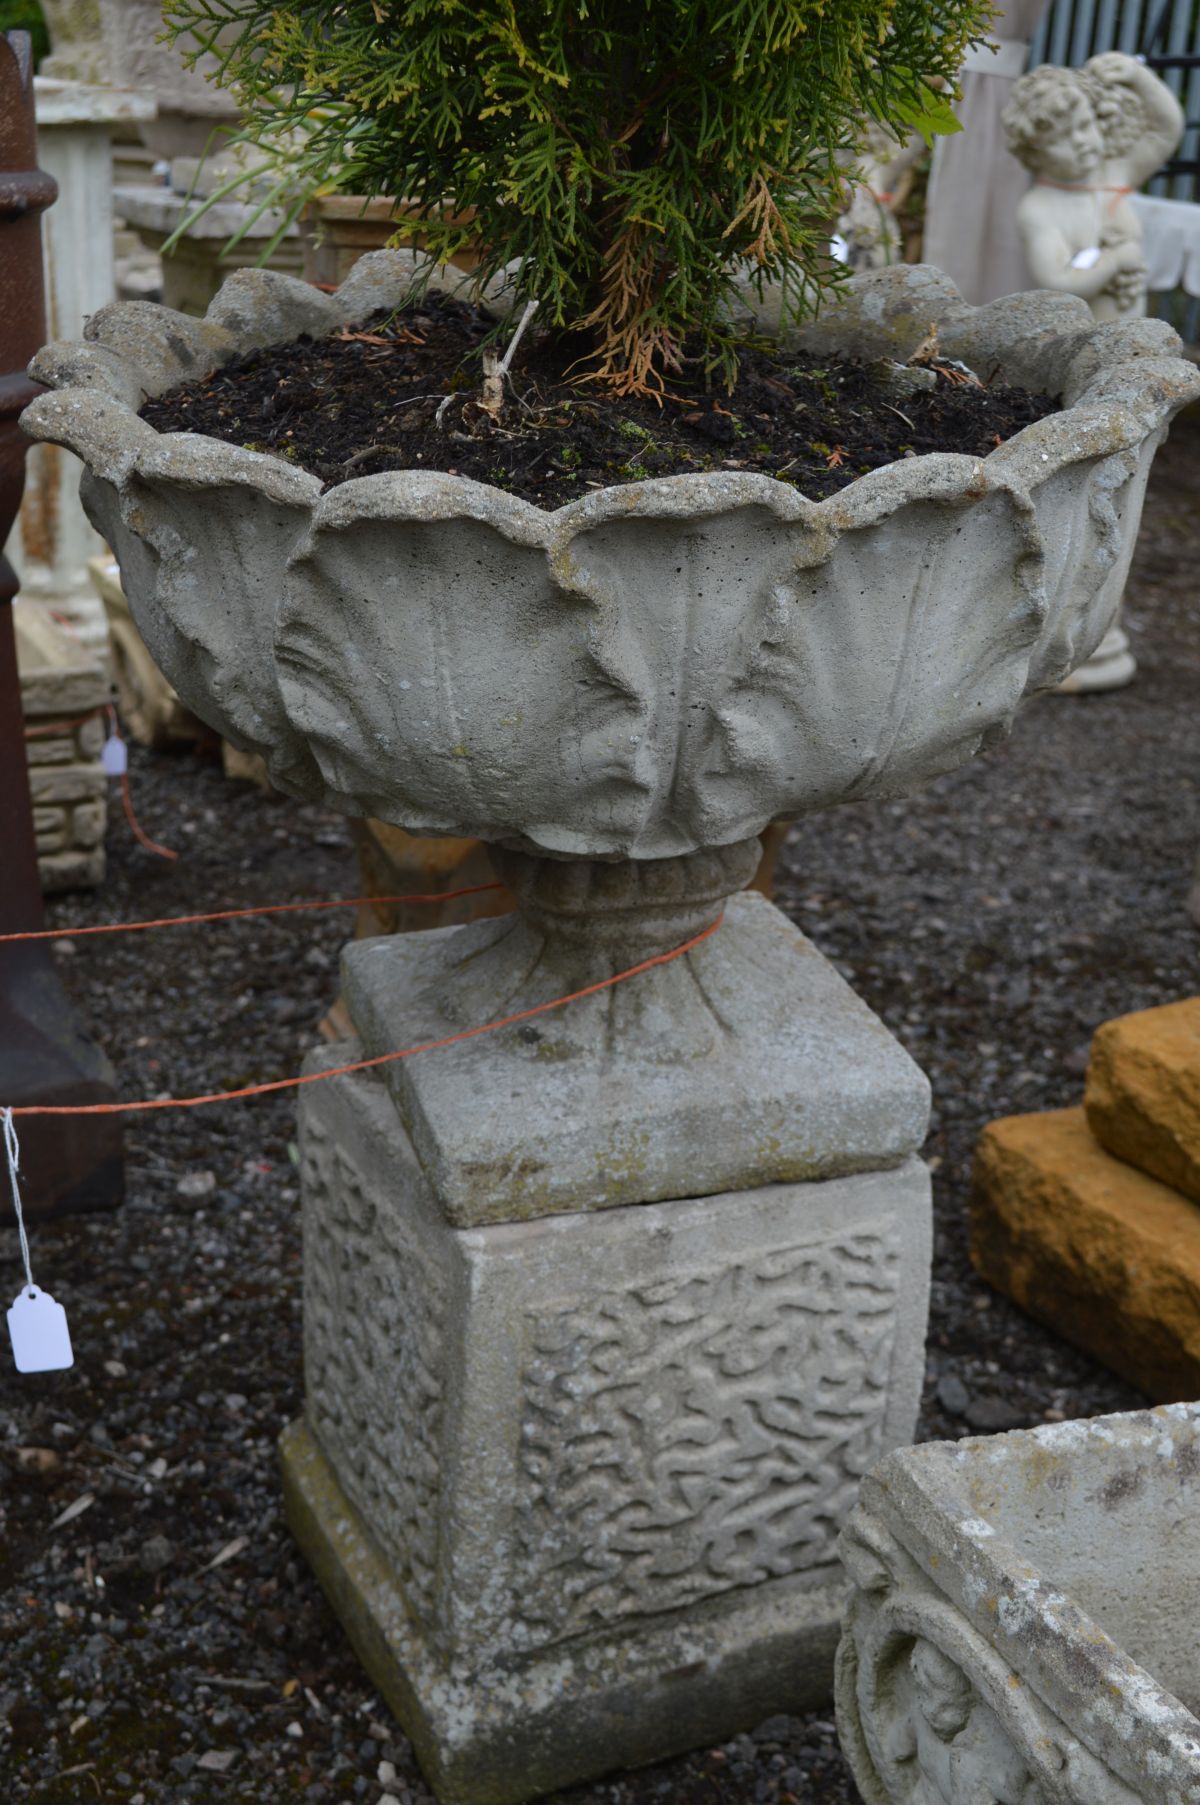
x,y
1090,137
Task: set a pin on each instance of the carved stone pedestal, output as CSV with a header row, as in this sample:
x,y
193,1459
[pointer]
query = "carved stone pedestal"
x,y
605,1316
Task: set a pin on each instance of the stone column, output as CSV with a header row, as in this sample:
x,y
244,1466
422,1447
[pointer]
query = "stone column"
x,y
52,540
63,692
605,1316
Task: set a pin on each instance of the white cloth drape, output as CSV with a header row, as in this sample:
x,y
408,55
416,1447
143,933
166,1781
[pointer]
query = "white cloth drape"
x,y
975,184
1170,242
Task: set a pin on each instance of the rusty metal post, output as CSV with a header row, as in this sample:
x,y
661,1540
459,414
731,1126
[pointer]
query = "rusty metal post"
x,y
68,1163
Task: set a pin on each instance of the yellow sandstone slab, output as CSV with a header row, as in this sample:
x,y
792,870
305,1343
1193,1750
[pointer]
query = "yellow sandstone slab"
x,y
1107,1257
1143,1092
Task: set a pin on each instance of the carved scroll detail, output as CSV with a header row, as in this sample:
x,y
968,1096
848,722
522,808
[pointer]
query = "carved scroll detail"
x,y
374,1315
687,1437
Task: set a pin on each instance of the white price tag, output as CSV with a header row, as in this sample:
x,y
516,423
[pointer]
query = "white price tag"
x,y
114,757
41,1340
1087,258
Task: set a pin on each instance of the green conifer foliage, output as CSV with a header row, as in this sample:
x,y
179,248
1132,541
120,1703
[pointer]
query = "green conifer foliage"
x,y
634,157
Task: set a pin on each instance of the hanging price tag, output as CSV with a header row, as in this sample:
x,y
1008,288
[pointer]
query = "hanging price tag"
x,y
114,756
37,1327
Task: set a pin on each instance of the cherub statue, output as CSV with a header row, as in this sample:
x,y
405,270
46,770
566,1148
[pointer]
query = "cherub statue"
x,y
1090,137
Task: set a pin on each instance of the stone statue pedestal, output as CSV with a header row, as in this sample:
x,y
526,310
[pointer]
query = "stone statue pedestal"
x,y
1111,666
605,1316
52,539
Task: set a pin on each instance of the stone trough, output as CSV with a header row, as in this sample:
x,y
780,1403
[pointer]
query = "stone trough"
x,y
1023,1629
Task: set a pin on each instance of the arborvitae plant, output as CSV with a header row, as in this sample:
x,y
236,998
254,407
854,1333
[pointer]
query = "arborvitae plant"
x,y
635,158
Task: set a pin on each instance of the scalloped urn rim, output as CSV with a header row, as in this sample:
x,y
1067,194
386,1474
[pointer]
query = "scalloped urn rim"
x,y
684,658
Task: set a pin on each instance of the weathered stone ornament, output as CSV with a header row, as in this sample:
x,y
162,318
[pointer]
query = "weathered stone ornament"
x,y
868,232
995,1652
607,1313
1090,138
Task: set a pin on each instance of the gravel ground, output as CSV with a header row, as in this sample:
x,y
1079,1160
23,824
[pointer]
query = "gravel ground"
x,y
161,1638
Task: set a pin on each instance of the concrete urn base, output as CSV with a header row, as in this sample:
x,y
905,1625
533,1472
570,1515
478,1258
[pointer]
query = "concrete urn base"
x,y
605,1317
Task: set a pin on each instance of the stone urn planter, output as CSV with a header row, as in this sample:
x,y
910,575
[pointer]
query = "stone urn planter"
x,y
606,1314
1023,1628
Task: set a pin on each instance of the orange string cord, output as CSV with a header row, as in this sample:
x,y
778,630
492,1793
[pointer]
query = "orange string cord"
x,y
1084,187
51,728
179,921
363,1065
135,826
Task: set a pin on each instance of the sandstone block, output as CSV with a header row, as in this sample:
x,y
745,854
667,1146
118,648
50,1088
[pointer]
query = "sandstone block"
x,y
1143,1092
72,870
87,823
58,695
1105,1255
66,783
90,737
54,751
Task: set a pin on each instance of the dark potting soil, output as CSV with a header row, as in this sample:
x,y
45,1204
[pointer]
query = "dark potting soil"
x,y
402,393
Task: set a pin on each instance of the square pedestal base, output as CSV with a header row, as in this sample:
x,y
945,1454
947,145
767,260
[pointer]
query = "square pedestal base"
x,y
590,1469
504,1732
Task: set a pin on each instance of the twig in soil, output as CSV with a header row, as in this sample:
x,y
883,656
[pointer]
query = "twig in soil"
x,y
372,451
405,336
900,416
495,369
506,361
107,1454
229,1683
86,1767
230,1551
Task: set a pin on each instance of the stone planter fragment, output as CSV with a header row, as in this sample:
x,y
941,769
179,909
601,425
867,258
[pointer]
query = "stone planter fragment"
x,y
341,228
606,1313
197,265
1023,1625
190,112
